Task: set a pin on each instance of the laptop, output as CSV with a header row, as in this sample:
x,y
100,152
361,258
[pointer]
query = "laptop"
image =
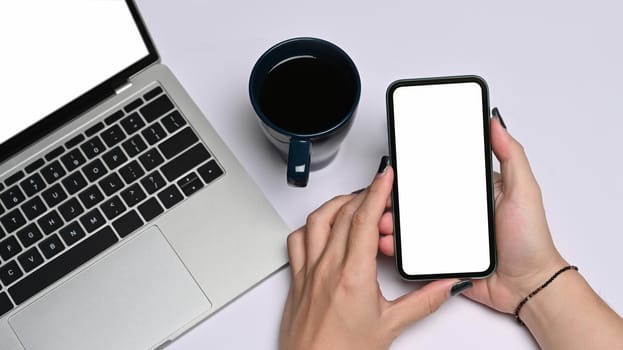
x,y
124,218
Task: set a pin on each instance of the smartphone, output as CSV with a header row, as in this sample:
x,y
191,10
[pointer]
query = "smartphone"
x,y
442,197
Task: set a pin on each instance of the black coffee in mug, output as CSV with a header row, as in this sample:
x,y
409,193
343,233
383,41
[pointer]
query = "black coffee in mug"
x,y
305,92
306,95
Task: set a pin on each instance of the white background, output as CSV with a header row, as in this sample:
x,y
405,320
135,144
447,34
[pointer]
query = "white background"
x,y
442,178
553,68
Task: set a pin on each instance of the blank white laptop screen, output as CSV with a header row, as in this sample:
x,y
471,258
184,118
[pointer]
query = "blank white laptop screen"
x,y
92,39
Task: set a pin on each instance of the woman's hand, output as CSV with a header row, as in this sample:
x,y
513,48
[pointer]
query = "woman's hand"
x,y
335,301
526,254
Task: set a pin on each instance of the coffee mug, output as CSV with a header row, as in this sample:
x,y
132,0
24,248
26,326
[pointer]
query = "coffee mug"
x,y
305,92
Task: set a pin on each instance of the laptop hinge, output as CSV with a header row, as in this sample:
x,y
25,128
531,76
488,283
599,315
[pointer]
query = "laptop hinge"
x,y
123,87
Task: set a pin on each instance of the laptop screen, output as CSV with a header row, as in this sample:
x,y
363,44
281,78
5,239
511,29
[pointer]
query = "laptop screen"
x,y
54,52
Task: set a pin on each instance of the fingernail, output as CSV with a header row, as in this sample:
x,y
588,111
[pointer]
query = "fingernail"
x,y
383,165
496,113
460,287
359,191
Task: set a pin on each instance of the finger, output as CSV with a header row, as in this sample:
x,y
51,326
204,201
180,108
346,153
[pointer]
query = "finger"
x,y
296,250
386,245
418,304
386,225
513,160
363,237
319,225
498,186
336,245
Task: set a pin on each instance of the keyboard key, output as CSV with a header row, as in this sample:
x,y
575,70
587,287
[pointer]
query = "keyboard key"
x,y
91,196
113,135
29,235
55,153
94,129
150,209
153,93
111,184
9,248
154,133
173,121
113,207
62,265
2,234
70,209
54,195
127,224
210,171
10,273
133,105
131,172
50,222
14,178
170,196
94,170
133,195
132,123
74,141
72,233
52,172
93,147
92,220
114,117
114,158
51,246
185,162
156,108
153,182
32,185
12,197
134,146
178,143
74,182
13,220
73,160
190,184
34,208
151,159
34,165
30,259
5,304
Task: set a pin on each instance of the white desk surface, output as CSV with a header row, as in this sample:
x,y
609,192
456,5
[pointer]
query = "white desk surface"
x,y
553,68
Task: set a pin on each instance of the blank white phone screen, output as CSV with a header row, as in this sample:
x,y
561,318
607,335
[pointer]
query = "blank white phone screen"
x,y
442,183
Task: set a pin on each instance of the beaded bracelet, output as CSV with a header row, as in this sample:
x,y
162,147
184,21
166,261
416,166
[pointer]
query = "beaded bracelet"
x,y
525,300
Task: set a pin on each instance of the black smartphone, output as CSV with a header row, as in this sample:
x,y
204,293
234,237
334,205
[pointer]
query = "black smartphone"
x,y
442,199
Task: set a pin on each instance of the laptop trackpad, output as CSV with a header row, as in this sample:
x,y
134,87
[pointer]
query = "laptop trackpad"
x,y
131,299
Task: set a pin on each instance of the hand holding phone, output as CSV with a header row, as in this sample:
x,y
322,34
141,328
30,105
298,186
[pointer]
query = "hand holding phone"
x,y
443,190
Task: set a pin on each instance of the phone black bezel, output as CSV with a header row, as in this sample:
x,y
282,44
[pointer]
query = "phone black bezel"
x,y
489,174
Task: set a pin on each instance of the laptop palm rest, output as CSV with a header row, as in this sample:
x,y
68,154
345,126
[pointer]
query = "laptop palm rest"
x,y
125,301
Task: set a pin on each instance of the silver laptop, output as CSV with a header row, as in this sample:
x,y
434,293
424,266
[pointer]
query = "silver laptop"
x,y
124,218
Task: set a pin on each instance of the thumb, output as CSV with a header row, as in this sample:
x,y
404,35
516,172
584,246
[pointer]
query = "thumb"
x,y
420,303
514,164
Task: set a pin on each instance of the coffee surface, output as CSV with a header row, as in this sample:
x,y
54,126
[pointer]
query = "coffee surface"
x,y
306,95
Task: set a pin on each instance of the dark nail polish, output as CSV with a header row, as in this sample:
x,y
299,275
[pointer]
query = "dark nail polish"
x,y
460,287
359,191
496,113
383,165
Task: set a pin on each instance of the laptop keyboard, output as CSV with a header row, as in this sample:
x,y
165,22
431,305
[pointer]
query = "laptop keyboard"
x,y
99,187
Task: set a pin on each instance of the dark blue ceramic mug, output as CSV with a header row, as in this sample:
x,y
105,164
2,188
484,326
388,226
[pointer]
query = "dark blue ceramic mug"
x,y
305,92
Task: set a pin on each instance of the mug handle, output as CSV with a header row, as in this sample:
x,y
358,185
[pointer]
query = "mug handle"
x,y
298,162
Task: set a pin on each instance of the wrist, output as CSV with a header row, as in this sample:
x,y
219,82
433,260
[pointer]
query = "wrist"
x,y
552,302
